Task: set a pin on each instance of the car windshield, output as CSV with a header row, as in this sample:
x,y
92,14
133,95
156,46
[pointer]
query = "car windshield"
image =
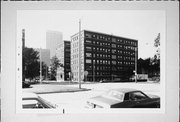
x,y
32,104
115,94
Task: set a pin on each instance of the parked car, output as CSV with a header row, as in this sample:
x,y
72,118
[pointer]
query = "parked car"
x,y
25,84
124,98
32,100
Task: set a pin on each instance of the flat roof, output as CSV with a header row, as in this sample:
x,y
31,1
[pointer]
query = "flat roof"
x,y
110,35
105,34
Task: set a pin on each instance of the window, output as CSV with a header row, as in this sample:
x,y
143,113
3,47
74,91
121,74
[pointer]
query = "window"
x,y
88,35
113,45
113,56
94,36
88,41
135,96
113,51
67,50
113,40
94,49
88,61
88,55
89,48
97,61
101,61
113,62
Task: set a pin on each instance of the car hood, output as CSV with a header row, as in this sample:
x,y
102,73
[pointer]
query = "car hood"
x,y
153,96
103,101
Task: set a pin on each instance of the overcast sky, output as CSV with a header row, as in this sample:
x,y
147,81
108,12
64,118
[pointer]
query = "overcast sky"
x,y
142,25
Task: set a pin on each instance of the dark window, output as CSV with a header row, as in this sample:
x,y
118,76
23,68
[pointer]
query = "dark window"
x,y
137,96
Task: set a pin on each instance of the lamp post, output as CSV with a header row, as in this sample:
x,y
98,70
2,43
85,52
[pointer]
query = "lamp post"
x,y
136,64
79,74
93,70
40,67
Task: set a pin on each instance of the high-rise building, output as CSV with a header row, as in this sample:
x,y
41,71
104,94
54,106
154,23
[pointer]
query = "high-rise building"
x,y
53,38
45,55
103,56
63,54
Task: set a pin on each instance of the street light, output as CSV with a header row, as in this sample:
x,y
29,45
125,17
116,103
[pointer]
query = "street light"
x,y
40,67
79,74
135,72
93,70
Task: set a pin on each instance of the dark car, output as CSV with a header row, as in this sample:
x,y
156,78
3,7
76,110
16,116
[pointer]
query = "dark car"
x,y
25,84
124,98
32,100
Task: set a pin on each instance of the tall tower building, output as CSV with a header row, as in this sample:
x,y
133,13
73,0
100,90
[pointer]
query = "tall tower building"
x,y
103,56
45,55
53,38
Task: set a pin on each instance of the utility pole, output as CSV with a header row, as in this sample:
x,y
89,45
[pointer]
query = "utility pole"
x,y
93,70
23,46
40,67
79,74
136,64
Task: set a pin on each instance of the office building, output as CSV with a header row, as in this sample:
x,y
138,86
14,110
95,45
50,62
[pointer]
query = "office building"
x,y
103,56
45,55
63,54
53,38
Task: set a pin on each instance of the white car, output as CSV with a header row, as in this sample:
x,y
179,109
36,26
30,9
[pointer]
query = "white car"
x,y
32,100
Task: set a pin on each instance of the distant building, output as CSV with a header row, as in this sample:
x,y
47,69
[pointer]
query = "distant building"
x,y
45,55
103,56
63,54
23,38
53,38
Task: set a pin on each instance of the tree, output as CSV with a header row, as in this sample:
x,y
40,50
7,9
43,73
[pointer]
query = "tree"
x,y
157,46
30,63
44,70
156,59
144,66
55,63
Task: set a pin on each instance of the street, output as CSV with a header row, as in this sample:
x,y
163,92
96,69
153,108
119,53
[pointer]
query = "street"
x,y
77,99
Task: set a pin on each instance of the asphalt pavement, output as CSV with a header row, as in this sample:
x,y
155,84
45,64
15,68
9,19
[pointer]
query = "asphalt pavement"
x,y
68,95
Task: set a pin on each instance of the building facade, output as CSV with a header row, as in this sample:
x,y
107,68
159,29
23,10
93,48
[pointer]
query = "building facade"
x,y
45,55
53,38
103,56
63,52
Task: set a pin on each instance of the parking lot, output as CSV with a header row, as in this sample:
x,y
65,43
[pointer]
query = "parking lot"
x,y
75,98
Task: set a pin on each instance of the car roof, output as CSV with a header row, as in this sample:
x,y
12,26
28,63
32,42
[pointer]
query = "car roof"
x,y
124,90
29,95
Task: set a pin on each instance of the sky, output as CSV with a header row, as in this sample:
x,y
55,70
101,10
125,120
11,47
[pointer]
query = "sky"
x,y
142,25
